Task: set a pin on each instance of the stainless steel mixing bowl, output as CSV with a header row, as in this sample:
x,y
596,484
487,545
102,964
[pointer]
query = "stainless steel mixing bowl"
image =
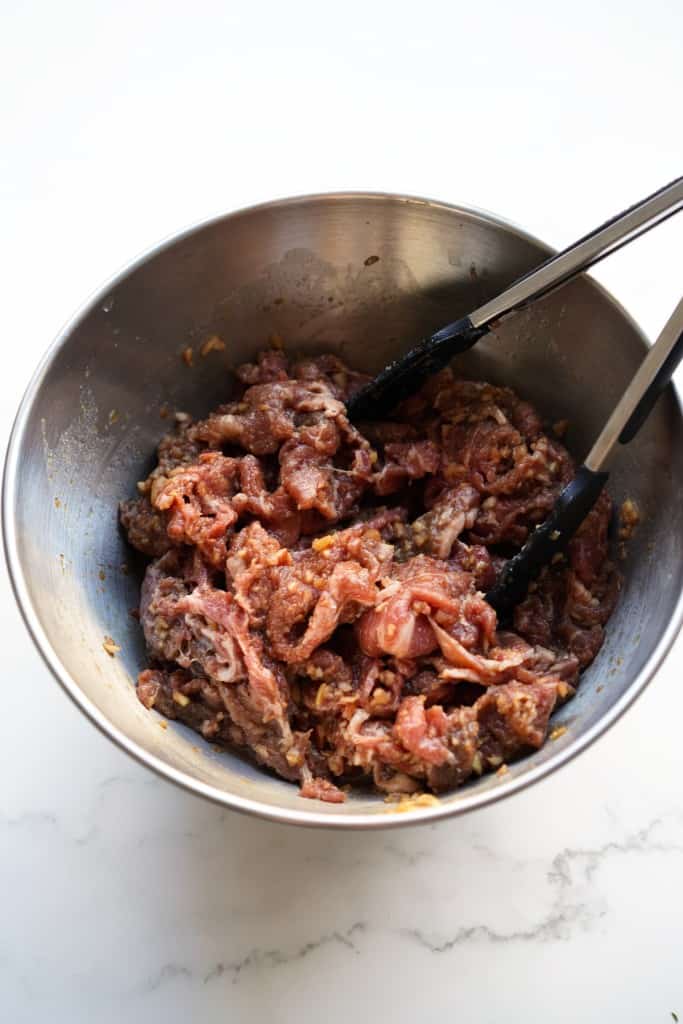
x,y
364,276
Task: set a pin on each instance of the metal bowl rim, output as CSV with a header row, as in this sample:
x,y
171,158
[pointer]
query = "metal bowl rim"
x,y
305,817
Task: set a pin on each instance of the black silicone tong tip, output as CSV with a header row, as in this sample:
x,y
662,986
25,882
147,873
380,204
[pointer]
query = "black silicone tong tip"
x,y
547,540
404,376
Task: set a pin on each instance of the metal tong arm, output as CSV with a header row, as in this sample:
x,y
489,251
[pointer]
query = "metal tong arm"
x,y
652,376
407,373
585,253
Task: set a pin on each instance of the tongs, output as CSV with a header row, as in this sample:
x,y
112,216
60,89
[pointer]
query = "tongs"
x,y
578,497
405,375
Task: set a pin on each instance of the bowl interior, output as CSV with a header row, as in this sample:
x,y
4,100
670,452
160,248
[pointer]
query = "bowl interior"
x,y
364,276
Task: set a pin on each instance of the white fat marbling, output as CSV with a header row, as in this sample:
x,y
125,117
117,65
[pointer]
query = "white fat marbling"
x,y
126,899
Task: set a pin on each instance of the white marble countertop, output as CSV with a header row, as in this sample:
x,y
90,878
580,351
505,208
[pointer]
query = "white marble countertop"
x,y
126,899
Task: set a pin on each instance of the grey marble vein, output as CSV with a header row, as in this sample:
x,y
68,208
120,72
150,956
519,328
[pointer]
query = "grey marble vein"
x,y
278,957
563,917
253,959
557,925
29,820
638,842
167,973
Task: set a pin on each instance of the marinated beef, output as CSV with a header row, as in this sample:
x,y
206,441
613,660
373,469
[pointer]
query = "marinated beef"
x,y
316,594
